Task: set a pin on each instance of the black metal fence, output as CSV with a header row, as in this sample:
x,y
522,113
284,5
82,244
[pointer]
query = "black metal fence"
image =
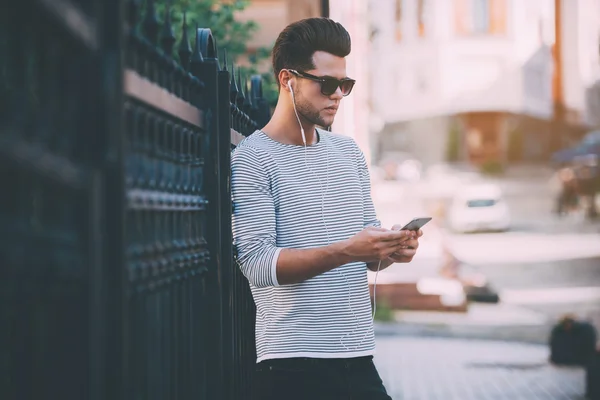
x,y
116,270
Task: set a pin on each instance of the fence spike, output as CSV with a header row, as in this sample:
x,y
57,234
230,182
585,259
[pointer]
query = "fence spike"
x,y
151,24
133,8
185,50
233,93
247,97
256,87
167,37
224,59
240,98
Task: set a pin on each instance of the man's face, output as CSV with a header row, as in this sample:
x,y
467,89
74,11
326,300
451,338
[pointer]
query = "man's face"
x,y
311,104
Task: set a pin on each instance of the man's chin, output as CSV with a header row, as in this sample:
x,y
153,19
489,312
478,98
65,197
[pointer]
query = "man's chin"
x,y
326,122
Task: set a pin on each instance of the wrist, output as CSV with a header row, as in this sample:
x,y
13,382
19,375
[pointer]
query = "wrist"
x,y
340,252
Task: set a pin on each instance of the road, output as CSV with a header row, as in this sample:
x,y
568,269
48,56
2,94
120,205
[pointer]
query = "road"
x,y
543,263
544,267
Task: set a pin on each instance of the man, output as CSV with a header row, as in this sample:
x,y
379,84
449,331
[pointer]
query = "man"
x,y
305,229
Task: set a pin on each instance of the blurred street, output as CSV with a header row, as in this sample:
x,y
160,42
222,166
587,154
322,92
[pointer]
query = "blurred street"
x,y
543,267
543,262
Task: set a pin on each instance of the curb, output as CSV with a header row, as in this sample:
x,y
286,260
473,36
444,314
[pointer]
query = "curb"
x,y
536,334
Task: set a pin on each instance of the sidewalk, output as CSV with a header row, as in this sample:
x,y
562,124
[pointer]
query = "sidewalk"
x,y
481,321
457,369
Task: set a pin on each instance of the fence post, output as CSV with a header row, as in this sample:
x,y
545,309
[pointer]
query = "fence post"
x,y
205,66
227,265
111,287
261,113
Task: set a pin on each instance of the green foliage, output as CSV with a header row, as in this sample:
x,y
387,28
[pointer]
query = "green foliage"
x,y
453,146
213,14
383,313
492,167
233,35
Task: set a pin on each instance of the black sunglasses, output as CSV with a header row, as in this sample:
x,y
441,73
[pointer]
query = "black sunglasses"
x,y
328,85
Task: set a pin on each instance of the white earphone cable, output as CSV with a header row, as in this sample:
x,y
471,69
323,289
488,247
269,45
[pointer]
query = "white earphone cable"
x,y
323,193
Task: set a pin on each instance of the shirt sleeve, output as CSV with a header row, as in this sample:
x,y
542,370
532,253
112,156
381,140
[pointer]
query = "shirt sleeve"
x,y
253,220
370,216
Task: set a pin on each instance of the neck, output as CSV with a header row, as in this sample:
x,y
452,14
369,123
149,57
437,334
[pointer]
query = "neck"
x,y
284,127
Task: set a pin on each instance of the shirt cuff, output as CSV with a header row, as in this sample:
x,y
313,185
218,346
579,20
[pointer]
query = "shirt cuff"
x,y
274,267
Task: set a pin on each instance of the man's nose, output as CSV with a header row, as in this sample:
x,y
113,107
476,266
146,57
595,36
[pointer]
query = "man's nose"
x,y
337,95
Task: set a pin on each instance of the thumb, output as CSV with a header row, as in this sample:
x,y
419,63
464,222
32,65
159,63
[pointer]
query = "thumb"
x,y
375,229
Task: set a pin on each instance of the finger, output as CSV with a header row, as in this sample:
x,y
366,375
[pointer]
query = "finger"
x,y
394,245
393,236
398,258
403,255
412,243
387,253
420,233
407,253
376,229
399,247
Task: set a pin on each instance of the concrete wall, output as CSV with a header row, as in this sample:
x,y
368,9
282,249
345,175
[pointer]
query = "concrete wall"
x,y
274,15
426,139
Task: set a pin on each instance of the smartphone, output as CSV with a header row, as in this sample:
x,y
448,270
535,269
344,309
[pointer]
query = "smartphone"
x,y
416,224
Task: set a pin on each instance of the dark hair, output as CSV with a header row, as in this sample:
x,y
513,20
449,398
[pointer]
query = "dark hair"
x,y
298,42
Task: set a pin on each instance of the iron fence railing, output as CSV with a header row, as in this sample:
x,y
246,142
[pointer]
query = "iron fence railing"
x,y
116,272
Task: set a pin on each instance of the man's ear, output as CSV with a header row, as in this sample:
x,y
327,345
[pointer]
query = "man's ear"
x,y
285,78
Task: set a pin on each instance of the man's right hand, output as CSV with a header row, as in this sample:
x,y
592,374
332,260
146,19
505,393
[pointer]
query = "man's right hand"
x,y
374,244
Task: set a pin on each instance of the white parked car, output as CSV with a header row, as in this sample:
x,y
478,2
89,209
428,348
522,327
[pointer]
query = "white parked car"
x,y
479,207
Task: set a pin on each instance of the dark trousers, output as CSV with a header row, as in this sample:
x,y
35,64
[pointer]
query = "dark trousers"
x,y
318,378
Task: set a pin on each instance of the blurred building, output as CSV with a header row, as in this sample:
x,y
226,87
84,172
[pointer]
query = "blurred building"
x,y
482,80
354,112
272,16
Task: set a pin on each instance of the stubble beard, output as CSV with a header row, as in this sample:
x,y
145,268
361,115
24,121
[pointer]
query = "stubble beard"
x,y
308,113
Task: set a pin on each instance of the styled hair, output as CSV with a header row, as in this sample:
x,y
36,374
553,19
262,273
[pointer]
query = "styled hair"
x,y
298,42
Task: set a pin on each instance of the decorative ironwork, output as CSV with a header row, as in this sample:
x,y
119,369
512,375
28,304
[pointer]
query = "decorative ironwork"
x,y
116,271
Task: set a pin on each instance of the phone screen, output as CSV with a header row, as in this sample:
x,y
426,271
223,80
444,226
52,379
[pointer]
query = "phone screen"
x,y
416,224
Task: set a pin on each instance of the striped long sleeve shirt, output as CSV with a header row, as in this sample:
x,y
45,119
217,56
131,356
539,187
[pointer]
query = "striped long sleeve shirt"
x,y
289,196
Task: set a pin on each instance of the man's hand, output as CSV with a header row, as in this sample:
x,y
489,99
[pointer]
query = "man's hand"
x,y
375,244
409,247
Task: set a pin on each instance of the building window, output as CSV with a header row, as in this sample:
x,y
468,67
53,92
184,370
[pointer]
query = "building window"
x,y
398,20
480,17
498,12
421,17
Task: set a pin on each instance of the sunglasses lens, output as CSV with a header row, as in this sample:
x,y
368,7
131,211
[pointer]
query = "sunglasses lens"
x,y
329,87
346,87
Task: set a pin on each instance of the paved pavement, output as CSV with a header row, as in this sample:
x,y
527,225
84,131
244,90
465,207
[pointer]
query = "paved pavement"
x,y
454,369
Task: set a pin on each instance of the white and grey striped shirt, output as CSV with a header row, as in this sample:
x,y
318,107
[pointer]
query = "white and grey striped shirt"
x,y
286,196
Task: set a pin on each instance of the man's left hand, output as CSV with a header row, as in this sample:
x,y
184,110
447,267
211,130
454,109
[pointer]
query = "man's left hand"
x,y
409,250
